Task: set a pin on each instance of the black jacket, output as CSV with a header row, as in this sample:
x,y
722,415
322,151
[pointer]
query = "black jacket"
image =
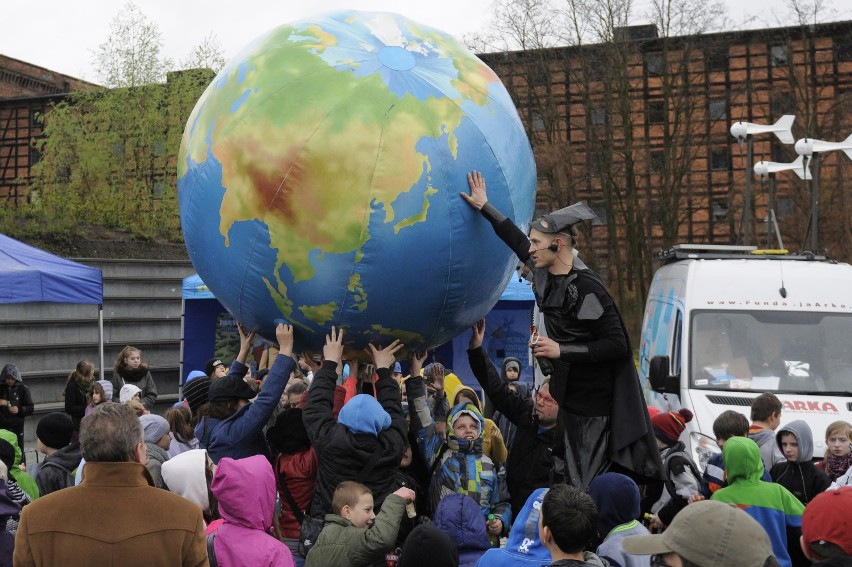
x,y
54,473
343,455
804,479
18,396
530,460
75,402
595,375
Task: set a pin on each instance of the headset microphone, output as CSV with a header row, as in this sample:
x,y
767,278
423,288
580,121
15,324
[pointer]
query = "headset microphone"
x,y
554,246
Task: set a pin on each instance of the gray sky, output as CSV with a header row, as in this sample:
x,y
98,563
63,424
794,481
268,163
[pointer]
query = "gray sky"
x,y
62,35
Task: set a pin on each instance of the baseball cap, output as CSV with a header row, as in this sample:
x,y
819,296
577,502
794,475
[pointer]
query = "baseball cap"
x,y
709,533
828,518
230,388
558,221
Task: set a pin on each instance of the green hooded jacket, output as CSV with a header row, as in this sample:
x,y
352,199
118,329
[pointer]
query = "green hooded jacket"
x,y
23,478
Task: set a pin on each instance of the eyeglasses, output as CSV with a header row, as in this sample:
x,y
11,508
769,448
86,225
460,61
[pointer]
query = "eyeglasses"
x,y
657,560
542,397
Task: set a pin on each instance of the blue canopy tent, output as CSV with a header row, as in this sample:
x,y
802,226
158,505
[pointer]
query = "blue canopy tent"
x,y
33,275
199,313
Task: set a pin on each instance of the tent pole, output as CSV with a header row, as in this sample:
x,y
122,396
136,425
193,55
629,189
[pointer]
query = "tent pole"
x,y
101,337
182,334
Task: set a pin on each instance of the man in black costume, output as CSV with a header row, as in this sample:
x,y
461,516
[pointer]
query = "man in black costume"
x,y
593,378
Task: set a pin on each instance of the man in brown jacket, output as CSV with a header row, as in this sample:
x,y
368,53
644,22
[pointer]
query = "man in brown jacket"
x,y
116,516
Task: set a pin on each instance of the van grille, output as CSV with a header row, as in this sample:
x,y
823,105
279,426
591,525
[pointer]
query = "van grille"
x,y
730,400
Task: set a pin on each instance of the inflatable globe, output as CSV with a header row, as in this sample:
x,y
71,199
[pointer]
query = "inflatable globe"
x,y
319,178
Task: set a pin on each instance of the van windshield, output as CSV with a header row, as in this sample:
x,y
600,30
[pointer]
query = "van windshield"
x,y
778,351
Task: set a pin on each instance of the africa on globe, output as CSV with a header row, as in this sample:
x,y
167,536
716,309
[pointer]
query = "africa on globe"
x,y
319,178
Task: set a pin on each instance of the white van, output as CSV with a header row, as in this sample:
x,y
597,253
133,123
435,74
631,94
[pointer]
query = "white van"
x,y
723,324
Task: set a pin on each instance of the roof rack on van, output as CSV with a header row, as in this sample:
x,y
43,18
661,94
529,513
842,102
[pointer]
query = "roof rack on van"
x,y
725,252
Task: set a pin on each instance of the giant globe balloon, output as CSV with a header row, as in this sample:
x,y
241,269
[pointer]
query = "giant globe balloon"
x,y
319,178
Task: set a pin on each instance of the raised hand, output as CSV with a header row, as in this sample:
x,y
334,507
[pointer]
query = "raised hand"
x,y
478,196
384,358
333,349
417,360
477,334
284,334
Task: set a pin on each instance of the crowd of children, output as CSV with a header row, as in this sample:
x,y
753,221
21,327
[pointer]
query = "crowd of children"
x,y
292,469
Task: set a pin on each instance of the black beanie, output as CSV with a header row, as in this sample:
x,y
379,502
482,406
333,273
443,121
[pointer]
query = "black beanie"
x,y
428,546
289,435
55,430
211,365
196,393
230,388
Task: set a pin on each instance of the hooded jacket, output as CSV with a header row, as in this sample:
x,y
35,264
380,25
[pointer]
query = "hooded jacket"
x,y
24,479
530,461
523,546
461,518
488,411
493,444
16,395
241,435
157,456
769,451
773,506
343,451
801,477
56,471
185,475
462,467
245,490
617,499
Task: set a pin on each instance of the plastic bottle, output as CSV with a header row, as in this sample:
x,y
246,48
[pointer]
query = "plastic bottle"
x,y
494,539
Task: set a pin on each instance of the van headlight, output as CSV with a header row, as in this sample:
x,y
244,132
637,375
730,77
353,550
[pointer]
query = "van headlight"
x,y
703,447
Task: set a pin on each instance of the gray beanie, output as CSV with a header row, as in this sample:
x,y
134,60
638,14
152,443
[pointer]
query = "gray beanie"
x,y
155,427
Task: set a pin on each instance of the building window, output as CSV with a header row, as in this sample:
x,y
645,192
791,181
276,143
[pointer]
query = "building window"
x,y
537,122
654,64
657,161
716,59
656,112
158,189
719,210
35,156
718,110
719,159
779,55
597,116
783,207
782,103
844,50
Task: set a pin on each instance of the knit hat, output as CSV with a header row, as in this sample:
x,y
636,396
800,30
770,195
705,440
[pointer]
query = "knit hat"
x,y
10,370
513,365
669,426
397,368
709,533
230,388
55,430
196,392
211,365
364,414
289,435
428,546
193,375
7,454
107,386
155,427
127,392
827,519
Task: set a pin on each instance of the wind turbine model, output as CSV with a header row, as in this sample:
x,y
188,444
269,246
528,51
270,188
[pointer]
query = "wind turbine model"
x,y
809,148
768,169
743,131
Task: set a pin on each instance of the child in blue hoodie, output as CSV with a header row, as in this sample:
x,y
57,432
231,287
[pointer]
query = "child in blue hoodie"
x,y
366,442
617,498
523,547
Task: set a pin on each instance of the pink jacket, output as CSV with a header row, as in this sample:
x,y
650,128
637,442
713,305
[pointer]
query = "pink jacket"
x,y
245,489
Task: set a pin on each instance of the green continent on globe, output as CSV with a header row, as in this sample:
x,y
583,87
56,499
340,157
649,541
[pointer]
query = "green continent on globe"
x,y
308,201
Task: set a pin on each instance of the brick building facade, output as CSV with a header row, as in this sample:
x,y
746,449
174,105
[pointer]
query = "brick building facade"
x,y
26,91
639,128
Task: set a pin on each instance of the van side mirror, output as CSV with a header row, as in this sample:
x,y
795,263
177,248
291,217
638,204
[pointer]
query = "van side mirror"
x,y
659,377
